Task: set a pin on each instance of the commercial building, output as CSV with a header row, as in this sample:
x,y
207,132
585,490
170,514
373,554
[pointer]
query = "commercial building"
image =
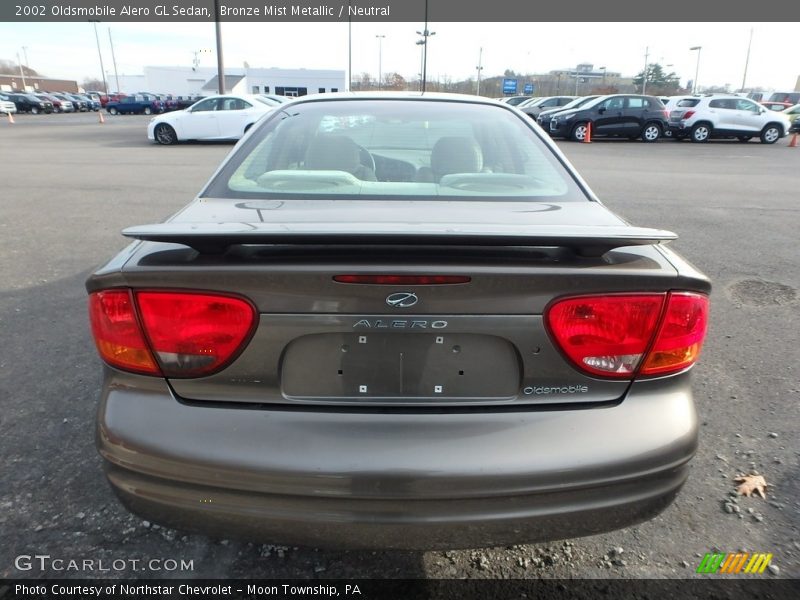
x,y
9,83
203,81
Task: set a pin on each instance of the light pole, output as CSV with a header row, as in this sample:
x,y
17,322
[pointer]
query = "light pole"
x,y
100,54
349,48
380,58
22,74
747,60
697,68
25,54
113,59
196,59
644,73
220,64
479,68
604,69
425,35
421,44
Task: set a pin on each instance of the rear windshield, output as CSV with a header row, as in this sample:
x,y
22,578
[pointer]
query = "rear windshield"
x,y
688,102
793,97
394,149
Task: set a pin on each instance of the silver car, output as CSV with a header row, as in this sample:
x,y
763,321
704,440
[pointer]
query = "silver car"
x,y
397,321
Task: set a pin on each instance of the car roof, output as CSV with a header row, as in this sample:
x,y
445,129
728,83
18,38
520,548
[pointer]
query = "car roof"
x,y
414,96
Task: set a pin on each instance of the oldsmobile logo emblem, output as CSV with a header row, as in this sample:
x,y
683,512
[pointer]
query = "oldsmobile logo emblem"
x,y
402,299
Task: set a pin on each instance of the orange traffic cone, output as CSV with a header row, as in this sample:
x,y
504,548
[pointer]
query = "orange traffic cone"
x,y
792,144
587,139
101,117
10,118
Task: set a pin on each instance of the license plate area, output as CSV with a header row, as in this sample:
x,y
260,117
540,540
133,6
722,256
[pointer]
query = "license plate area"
x,y
400,366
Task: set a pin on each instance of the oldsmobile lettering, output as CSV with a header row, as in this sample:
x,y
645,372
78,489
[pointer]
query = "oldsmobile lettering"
x,y
399,324
561,389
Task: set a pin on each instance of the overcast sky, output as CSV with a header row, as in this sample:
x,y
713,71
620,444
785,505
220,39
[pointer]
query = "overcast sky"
x,y
69,50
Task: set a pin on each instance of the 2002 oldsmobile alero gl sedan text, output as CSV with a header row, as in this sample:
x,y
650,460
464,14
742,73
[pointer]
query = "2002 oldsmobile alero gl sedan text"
x,y
397,321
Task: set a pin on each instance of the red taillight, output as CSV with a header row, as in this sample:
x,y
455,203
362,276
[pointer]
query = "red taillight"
x,y
680,336
615,335
185,334
117,333
687,115
403,279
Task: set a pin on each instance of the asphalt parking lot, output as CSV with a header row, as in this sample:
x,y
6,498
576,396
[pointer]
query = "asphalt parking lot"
x,y
70,184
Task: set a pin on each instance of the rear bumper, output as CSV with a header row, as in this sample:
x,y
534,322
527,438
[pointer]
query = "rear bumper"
x,y
396,480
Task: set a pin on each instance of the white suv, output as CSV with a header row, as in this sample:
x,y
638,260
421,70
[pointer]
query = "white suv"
x,y
728,117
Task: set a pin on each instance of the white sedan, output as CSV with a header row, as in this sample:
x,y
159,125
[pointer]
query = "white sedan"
x,y
225,117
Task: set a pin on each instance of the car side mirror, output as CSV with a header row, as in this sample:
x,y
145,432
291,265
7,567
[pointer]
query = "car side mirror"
x,y
762,110
601,110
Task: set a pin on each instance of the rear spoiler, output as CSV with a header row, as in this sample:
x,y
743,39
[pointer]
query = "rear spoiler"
x,y
215,238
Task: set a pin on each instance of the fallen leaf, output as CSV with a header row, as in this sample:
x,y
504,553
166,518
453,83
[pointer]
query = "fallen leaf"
x,y
751,483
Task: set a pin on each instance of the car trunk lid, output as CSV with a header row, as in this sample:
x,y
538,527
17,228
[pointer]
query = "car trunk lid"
x,y
321,342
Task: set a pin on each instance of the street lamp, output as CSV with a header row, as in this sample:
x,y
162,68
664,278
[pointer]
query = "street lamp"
x,y
479,68
424,42
697,68
380,58
113,59
22,74
196,59
644,73
421,44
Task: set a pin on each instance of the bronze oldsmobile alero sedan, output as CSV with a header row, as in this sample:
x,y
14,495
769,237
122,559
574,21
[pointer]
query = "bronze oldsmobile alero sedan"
x,y
397,321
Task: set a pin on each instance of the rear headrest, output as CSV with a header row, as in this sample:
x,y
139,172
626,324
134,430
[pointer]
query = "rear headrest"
x,y
455,155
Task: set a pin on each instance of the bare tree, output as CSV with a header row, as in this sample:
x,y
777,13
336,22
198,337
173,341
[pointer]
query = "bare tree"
x,y
9,67
92,84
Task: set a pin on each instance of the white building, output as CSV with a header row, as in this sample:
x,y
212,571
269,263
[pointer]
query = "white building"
x,y
202,81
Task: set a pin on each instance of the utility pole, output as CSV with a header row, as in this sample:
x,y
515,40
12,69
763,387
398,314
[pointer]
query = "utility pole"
x,y
349,48
480,68
425,35
21,74
747,60
380,59
113,59
697,68
100,54
28,65
644,75
220,64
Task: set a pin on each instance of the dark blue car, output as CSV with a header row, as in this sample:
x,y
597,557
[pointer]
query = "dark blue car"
x,y
136,104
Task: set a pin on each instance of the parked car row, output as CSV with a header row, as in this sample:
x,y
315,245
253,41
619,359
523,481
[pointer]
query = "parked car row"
x,y
146,103
49,102
636,116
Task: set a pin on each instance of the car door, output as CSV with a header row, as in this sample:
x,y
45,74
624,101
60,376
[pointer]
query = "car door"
x,y
129,105
232,115
635,114
748,116
200,121
724,111
608,117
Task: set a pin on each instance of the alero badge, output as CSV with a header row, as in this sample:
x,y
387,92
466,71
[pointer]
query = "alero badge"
x,y
402,299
